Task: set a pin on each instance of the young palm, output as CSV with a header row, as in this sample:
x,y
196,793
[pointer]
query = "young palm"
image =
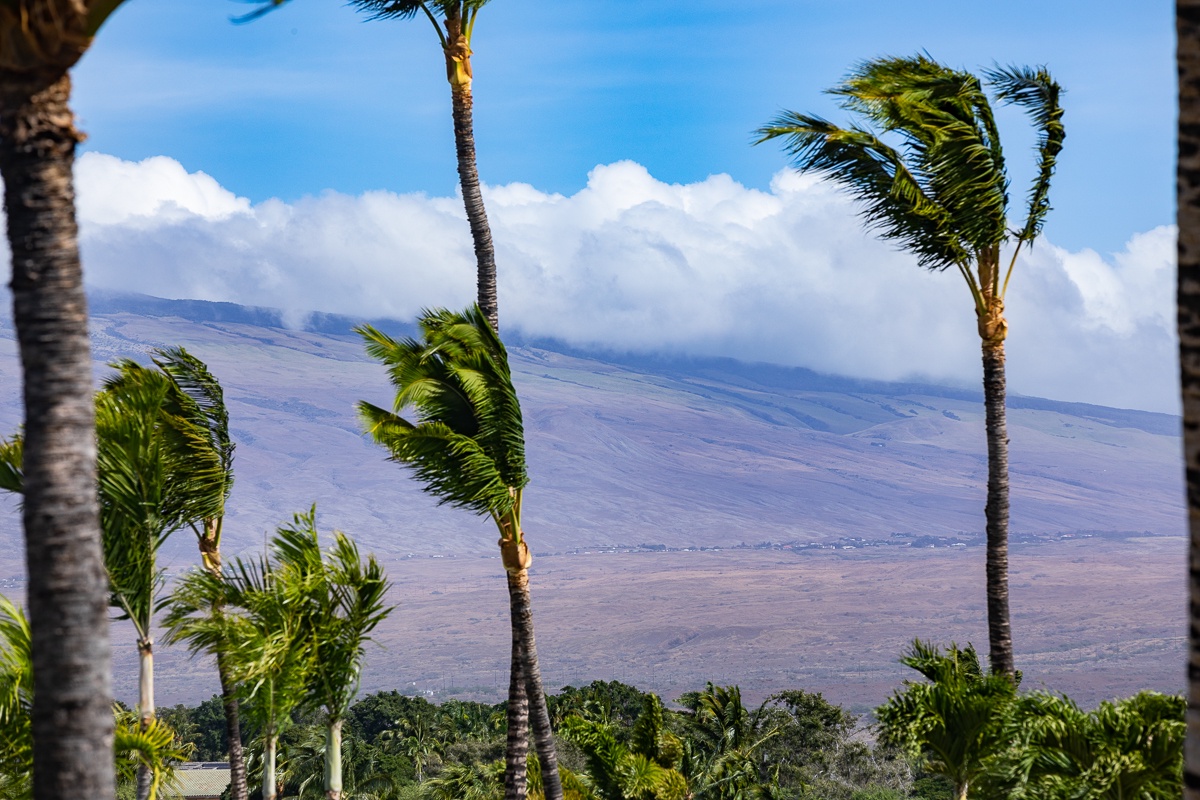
x,y
943,195
40,40
468,448
957,722
257,634
338,600
1124,749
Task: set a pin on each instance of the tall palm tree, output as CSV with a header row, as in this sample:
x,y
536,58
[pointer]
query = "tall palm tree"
x,y
943,195
199,404
338,599
468,448
40,40
1187,27
454,23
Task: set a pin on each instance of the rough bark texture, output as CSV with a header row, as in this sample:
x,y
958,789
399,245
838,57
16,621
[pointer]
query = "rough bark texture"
x,y
238,787
999,630
1187,20
210,558
468,177
539,714
67,593
517,745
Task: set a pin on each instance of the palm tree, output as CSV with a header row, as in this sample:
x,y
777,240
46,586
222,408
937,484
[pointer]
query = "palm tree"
x,y
152,480
468,448
1187,27
943,195
200,402
338,600
457,18
646,769
956,721
1124,749
244,618
40,40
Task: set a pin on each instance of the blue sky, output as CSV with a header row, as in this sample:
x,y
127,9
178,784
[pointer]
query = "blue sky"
x,y
314,97
305,161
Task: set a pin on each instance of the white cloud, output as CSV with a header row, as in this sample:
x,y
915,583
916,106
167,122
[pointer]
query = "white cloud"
x,y
787,275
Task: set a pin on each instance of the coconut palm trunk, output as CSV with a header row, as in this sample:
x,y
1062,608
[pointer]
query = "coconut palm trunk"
x,y
530,675
72,718
993,329
1187,22
457,49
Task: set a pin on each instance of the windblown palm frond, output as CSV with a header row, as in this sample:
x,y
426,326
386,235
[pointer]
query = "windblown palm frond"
x,y
955,722
1034,90
943,192
197,414
467,445
153,746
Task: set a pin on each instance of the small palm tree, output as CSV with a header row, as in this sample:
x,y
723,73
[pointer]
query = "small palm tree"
x,y
943,195
1124,749
257,635
338,600
956,722
16,703
468,448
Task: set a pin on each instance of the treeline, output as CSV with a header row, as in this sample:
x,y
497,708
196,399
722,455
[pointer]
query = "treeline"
x,y
959,733
614,741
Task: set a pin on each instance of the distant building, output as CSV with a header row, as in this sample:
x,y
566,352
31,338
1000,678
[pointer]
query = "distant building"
x,y
199,780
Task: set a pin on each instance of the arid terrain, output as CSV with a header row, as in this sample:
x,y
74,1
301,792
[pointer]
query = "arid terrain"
x,y
693,520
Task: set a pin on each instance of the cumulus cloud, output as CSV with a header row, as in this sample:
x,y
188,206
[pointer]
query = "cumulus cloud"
x,y
785,275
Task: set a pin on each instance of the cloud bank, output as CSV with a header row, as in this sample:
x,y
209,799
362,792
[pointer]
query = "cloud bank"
x,y
710,268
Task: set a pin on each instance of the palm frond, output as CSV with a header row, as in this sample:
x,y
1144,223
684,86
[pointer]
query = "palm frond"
x,y
1035,91
12,461
467,445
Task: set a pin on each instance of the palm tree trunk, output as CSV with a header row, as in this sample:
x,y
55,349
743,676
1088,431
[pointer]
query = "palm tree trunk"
x,y
516,751
269,783
210,559
238,788
1187,25
333,760
468,178
539,714
999,629
67,593
145,707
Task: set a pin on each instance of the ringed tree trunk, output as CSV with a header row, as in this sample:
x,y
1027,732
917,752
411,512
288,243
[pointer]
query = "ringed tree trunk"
x,y
333,760
993,329
517,558
269,781
516,748
210,557
1187,26
458,72
145,646
72,717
